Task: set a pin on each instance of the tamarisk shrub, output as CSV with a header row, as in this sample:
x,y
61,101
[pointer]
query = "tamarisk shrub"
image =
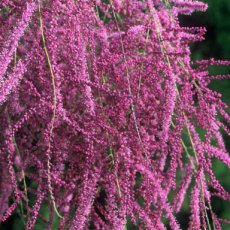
x,y
100,107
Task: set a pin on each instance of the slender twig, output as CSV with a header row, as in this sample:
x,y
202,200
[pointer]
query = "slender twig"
x,y
128,81
54,109
142,65
164,52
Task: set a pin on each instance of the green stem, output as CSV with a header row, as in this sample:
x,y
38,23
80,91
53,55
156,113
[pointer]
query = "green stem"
x,y
54,110
142,65
164,52
129,85
116,176
20,210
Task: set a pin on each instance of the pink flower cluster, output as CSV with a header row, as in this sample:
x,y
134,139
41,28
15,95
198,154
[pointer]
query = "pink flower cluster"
x,y
100,107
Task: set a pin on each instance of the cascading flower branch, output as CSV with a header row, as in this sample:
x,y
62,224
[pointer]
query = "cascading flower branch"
x,y
100,107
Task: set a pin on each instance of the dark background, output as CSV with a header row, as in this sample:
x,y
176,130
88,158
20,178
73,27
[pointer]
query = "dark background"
x,y
217,44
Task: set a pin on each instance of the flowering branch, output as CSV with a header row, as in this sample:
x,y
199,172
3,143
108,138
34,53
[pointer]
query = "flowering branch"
x,y
107,92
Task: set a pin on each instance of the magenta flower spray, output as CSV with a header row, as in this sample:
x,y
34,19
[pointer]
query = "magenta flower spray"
x,y
100,106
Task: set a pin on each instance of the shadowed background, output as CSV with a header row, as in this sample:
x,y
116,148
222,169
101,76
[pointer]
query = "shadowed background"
x,y
217,45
